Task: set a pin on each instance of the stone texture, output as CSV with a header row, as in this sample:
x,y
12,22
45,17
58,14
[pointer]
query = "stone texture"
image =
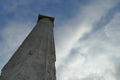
x,y
35,58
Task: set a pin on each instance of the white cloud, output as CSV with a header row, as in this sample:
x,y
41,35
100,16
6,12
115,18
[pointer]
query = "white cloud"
x,y
13,34
112,29
75,29
67,38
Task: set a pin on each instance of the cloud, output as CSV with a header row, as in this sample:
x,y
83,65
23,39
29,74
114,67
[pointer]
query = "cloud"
x,y
93,77
117,66
13,35
94,49
13,5
78,58
112,32
112,29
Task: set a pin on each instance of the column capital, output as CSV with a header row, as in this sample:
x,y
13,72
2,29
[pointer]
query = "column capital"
x,y
43,16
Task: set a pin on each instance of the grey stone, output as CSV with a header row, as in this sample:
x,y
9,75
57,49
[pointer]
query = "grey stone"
x,y
35,58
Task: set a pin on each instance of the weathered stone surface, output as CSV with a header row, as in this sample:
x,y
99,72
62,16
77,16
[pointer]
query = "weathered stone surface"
x,y
35,58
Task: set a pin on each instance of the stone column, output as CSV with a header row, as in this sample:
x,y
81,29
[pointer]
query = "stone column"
x,y
35,58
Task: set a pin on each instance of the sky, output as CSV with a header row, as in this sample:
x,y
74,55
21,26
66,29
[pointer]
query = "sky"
x,y
86,33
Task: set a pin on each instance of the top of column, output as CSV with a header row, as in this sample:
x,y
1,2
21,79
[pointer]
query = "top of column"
x,y
43,16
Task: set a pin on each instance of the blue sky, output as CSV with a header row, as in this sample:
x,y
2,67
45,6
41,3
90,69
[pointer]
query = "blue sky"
x,y
86,35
